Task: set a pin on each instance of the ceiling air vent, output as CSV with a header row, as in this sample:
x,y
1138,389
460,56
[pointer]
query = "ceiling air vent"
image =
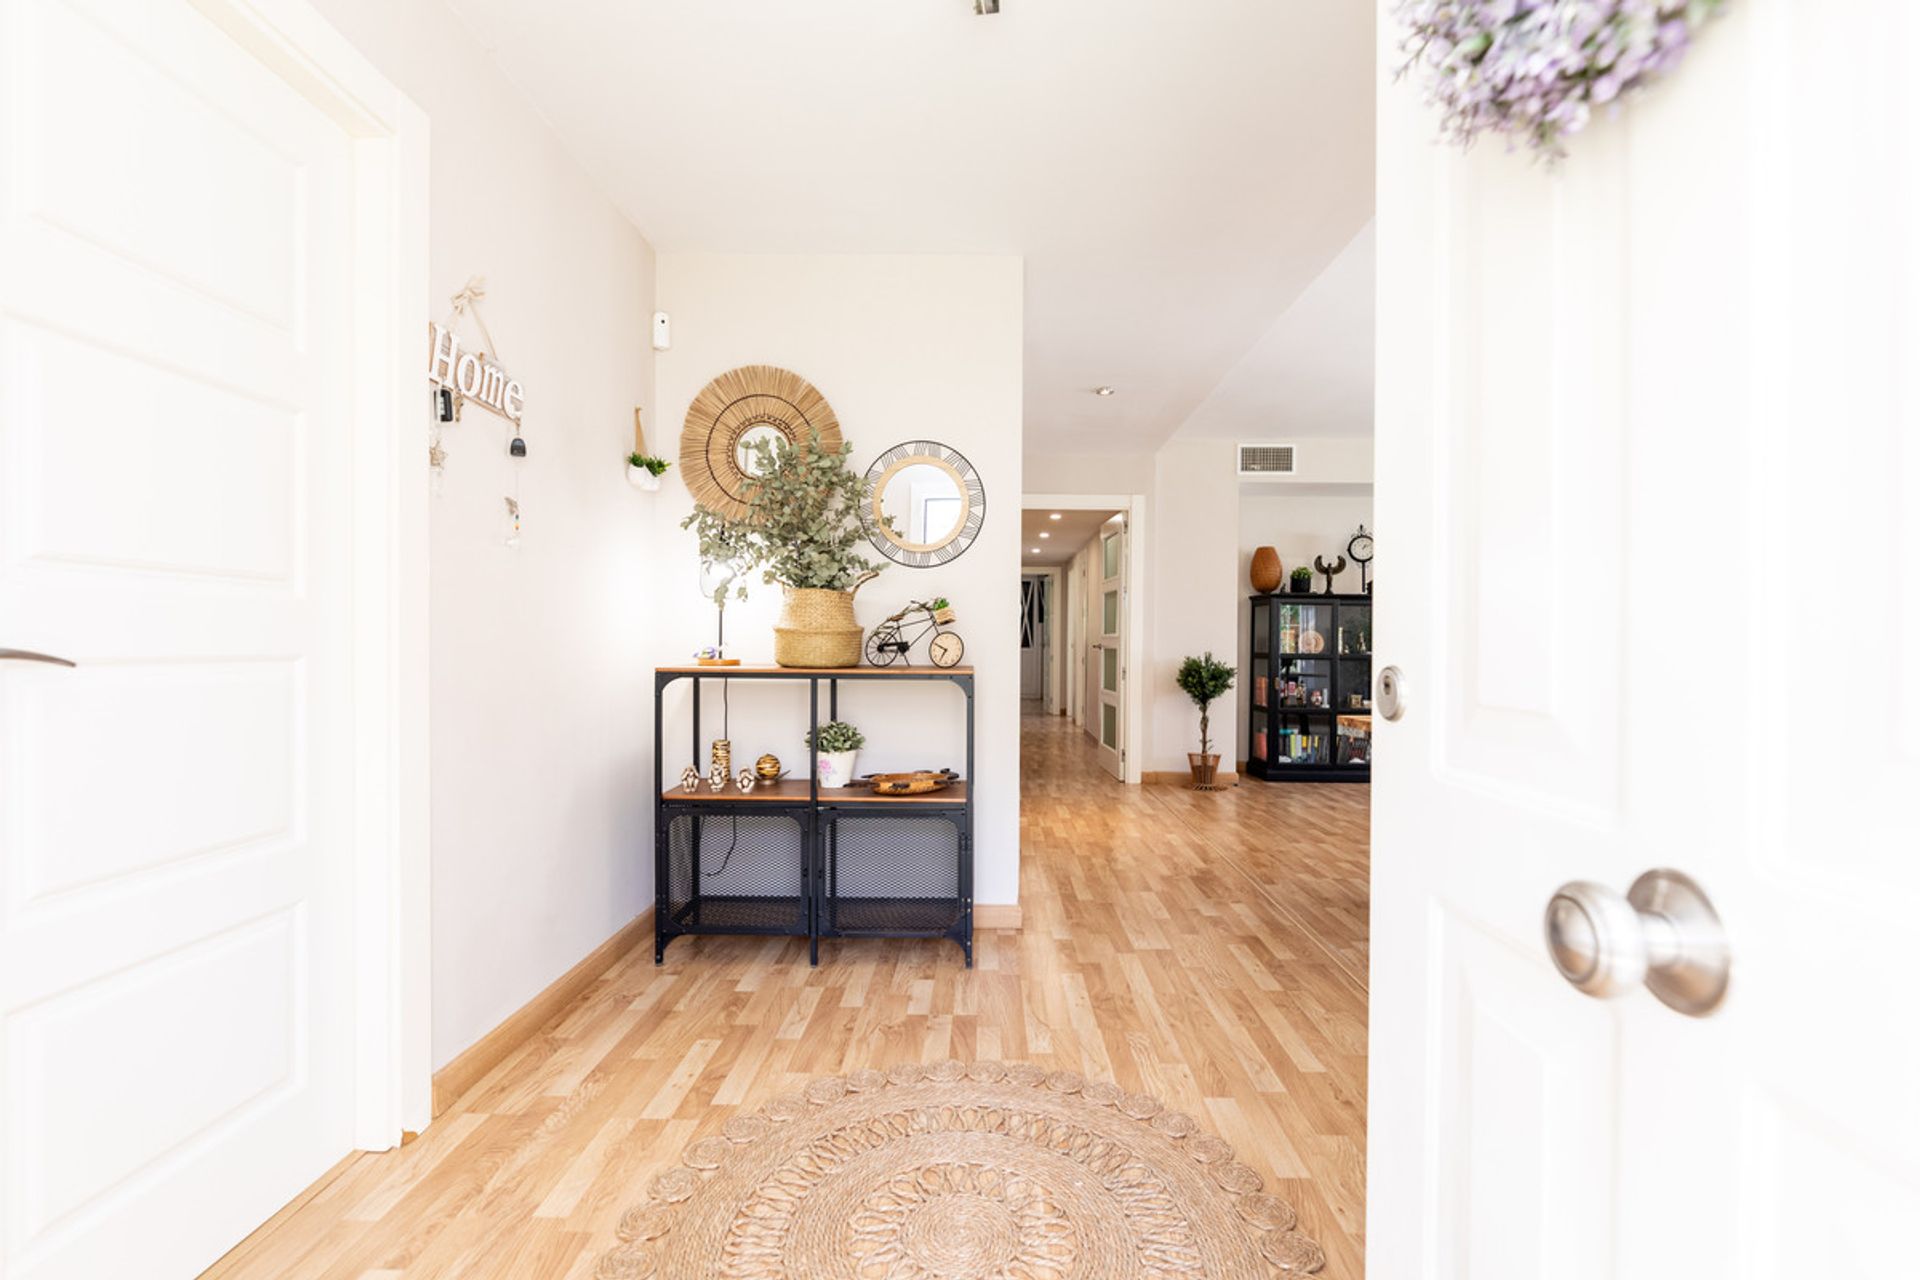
x,y
1259,460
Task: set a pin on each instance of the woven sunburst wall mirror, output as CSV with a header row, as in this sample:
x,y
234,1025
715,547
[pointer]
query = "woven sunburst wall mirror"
x,y
731,412
925,503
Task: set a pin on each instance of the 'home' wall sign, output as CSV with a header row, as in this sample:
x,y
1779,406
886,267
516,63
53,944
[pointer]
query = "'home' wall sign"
x,y
473,375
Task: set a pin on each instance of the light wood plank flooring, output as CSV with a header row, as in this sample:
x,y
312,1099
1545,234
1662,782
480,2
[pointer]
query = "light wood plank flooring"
x,y
1207,948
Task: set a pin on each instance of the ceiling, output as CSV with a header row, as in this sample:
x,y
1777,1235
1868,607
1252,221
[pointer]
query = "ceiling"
x,y
1311,374
1065,536
1175,175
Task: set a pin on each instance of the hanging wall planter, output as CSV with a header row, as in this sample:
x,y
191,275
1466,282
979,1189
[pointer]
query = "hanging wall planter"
x,y
642,479
644,472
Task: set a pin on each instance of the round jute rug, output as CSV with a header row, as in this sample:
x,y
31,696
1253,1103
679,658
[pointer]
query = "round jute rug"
x,y
981,1171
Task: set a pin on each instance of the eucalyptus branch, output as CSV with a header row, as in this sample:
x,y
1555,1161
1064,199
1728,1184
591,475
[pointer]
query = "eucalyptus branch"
x,y
802,526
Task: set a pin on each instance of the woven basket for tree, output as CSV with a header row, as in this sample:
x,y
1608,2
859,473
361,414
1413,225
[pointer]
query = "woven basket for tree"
x,y
817,627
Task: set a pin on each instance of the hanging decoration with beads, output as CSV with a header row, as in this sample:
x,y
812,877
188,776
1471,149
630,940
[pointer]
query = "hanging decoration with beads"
x,y
461,376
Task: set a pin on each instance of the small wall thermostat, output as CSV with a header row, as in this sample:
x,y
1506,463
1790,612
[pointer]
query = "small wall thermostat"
x,y
662,331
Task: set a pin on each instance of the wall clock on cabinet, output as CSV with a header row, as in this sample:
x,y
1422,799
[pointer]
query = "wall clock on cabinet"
x,y
1360,551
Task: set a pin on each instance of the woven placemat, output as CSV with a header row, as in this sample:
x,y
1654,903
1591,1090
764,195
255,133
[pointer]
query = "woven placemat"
x,y
960,1171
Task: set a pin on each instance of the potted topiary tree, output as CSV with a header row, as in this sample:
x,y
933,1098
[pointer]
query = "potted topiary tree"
x,y
834,754
803,529
1203,679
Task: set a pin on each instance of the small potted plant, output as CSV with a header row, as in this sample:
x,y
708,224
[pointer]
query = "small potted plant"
x,y
833,756
644,471
1301,580
1203,679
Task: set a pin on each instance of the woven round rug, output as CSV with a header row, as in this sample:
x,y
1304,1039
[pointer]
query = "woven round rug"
x,y
981,1171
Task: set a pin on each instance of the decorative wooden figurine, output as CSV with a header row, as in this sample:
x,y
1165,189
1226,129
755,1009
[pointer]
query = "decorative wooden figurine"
x,y
1334,570
690,780
746,781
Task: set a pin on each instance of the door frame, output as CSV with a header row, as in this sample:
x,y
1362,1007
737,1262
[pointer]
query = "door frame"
x,y
392,1009
1134,507
1053,699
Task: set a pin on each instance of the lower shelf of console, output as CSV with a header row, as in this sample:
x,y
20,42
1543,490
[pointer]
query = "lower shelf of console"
x,y
841,872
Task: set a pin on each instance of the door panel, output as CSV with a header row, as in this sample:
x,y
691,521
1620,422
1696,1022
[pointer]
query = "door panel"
x,y
1110,716
113,730
174,439
175,811
1523,1108
1645,428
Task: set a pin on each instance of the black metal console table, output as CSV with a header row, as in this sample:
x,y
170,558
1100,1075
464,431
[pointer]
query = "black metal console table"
x,y
789,859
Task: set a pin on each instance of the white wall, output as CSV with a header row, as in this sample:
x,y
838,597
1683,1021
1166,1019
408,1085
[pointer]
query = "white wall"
x,y
540,686
1193,530
1299,525
903,347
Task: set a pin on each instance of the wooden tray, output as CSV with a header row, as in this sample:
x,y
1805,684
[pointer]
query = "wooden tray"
x,y
919,783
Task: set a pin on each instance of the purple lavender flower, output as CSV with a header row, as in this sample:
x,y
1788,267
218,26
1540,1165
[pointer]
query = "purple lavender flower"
x,y
1534,70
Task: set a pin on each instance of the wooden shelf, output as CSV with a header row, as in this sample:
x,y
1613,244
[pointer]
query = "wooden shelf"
x,y
908,858
898,671
793,791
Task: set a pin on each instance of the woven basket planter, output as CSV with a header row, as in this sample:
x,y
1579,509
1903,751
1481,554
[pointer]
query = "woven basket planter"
x,y
817,628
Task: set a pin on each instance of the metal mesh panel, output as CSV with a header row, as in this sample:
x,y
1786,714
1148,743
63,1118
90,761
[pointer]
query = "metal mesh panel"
x,y
892,875
728,872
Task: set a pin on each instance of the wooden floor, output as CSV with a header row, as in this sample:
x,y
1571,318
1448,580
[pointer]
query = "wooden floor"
x,y
1207,948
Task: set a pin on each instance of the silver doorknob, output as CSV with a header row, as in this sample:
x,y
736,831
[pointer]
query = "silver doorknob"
x,y
1390,697
1664,933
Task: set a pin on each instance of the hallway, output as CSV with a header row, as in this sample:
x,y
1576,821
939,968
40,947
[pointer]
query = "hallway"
x,y
1171,942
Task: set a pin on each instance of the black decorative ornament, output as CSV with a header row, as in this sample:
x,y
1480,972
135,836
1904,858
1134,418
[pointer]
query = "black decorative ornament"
x,y
1360,551
518,449
1332,571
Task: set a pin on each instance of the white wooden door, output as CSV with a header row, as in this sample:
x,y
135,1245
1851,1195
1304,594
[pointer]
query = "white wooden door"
x,y
1650,564
1110,673
174,810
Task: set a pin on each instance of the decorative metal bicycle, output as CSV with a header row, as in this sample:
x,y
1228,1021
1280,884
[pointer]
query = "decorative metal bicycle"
x,y
889,642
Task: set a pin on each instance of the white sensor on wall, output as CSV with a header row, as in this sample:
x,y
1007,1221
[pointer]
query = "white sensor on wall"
x,y
662,331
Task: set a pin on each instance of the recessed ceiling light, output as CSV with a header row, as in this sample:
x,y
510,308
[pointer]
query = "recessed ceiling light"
x,y
1045,534
1103,391
1033,551
1054,516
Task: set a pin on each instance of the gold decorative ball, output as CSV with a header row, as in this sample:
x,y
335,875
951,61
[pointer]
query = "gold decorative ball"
x,y
768,767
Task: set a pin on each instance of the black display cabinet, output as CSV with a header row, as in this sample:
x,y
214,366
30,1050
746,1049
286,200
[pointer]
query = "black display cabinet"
x,y
790,859
1310,694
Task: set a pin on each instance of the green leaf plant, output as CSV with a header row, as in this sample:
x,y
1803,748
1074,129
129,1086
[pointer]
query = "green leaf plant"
x,y
1203,679
802,526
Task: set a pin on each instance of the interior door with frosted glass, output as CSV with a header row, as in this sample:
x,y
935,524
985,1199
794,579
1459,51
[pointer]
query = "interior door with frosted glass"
x,y
175,809
1645,451
1111,657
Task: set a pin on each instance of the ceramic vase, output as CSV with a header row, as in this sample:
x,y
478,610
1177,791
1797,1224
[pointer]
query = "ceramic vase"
x,y
835,768
1265,572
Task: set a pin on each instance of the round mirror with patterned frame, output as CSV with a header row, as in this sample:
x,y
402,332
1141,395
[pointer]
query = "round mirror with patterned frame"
x,y
731,412
925,503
